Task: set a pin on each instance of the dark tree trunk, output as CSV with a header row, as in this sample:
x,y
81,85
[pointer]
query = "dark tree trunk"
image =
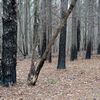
x,y
85,36
0,73
26,28
90,25
85,42
49,26
74,36
44,43
88,51
62,41
73,53
62,49
98,49
9,44
44,40
50,57
78,36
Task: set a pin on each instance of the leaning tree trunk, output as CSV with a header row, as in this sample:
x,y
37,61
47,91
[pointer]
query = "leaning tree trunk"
x,y
34,74
62,42
35,36
9,44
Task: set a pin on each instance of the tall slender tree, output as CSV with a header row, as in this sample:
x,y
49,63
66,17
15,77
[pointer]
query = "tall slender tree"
x,y
0,40
43,4
49,25
25,48
90,22
78,36
9,44
62,42
98,49
74,35
20,34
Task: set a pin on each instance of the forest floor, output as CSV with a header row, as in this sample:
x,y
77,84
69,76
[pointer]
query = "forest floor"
x,y
80,81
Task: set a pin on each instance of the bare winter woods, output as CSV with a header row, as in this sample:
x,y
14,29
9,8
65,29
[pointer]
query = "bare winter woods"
x,y
33,34
44,30
50,49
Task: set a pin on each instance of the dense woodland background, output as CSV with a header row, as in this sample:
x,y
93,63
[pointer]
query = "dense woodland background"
x,y
37,22
85,17
61,37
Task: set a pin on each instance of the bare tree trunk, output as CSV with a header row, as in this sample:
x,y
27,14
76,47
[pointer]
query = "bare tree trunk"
x,y
34,75
43,4
79,8
90,28
20,35
25,46
85,36
9,42
1,31
74,35
49,25
78,36
98,49
35,36
62,41
30,32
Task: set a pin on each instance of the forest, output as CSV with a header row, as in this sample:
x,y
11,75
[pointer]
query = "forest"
x,y
49,49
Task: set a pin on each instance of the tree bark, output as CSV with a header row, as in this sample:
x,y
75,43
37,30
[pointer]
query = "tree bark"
x,y
44,39
78,36
62,41
25,35
90,29
74,36
98,49
35,36
9,44
34,76
49,25
1,31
